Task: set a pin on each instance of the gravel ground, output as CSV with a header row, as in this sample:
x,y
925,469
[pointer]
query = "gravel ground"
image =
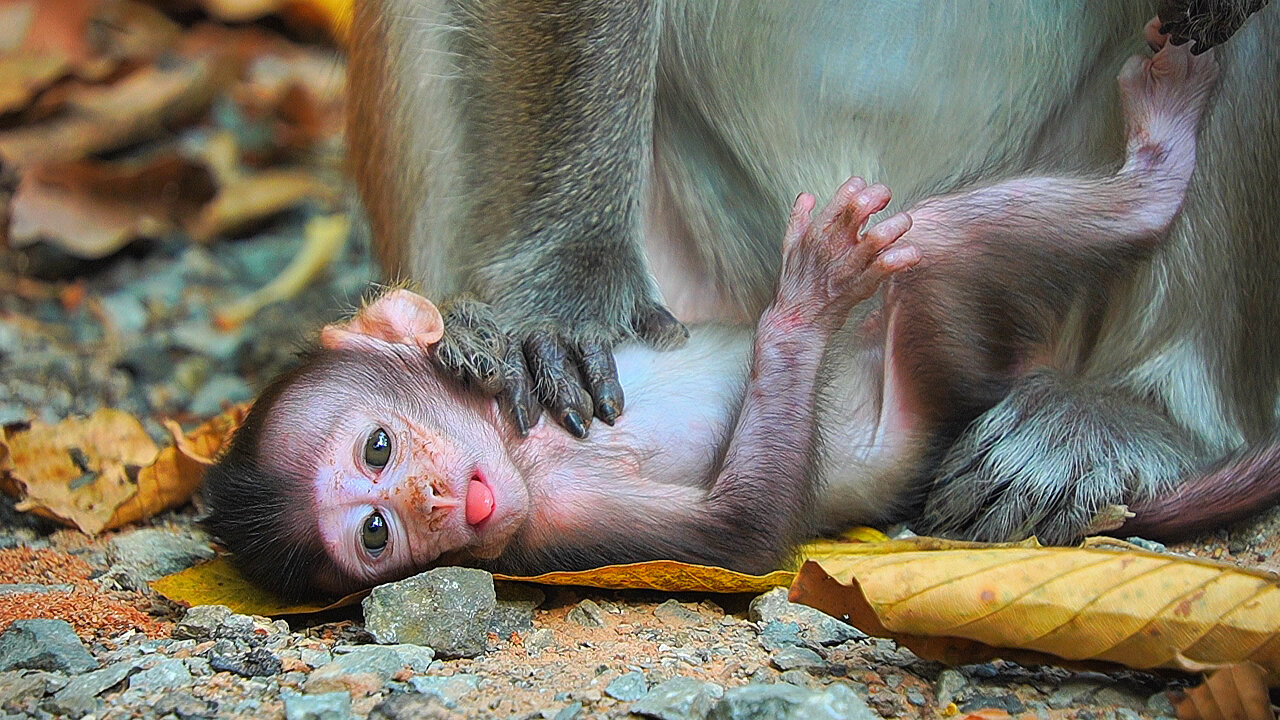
x,y
133,332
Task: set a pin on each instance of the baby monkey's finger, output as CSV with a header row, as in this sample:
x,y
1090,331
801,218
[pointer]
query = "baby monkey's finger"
x,y
556,382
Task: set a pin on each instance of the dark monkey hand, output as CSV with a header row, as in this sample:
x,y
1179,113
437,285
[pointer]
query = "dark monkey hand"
x,y
561,360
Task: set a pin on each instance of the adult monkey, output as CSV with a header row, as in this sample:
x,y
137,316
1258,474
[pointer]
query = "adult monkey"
x,y
573,168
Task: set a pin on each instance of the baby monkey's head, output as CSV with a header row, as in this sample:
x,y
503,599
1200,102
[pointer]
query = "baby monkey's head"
x,y
362,465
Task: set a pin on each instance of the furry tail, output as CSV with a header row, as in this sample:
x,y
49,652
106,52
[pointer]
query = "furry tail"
x,y
1240,485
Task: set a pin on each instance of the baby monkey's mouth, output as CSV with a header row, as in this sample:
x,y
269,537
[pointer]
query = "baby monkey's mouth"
x,y
479,503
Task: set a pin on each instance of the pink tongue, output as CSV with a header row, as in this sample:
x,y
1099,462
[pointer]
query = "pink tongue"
x,y
479,502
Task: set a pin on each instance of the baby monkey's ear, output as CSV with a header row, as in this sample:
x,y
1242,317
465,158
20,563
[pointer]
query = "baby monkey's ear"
x,y
398,317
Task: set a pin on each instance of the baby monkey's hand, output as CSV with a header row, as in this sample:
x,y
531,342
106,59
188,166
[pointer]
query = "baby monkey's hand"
x,y
829,264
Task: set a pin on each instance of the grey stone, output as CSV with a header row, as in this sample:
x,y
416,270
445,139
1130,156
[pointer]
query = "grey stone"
x,y
539,640
514,611
627,687
410,706
1125,714
816,626
770,702
1007,702
17,688
673,610
382,661
680,698
950,685
1121,696
447,609
72,706
1146,544
44,644
569,712
587,614
167,674
201,622
797,658
449,688
762,702
257,662
80,690
777,634
1070,694
126,311
25,588
1161,704
797,677
324,706
915,697
315,656
838,702
198,337
155,553
184,705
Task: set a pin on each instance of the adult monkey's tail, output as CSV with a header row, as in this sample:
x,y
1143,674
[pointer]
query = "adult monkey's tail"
x,y
1242,484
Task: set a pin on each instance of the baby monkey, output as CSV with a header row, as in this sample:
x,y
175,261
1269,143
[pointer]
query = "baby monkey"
x,y
364,464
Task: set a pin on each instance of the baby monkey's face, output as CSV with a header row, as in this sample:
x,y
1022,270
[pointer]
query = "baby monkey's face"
x,y
397,492
404,467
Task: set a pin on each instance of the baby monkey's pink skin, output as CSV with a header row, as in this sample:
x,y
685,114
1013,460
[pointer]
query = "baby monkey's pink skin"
x,y
459,482
363,466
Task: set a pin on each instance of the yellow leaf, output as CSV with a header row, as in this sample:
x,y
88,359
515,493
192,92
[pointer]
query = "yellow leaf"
x,y
665,575
217,582
961,602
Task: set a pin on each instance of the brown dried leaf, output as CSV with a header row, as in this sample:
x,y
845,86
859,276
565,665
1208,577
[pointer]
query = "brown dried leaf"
x,y
92,209
79,470
966,602
1235,692
247,201
145,104
23,76
334,15
178,470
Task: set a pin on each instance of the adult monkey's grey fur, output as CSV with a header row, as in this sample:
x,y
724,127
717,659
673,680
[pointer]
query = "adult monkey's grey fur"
x,y
566,161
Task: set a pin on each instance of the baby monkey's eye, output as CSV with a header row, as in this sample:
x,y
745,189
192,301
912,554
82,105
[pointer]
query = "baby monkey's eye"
x,y
377,449
373,533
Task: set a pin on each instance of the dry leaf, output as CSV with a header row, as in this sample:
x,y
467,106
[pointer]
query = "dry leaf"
x,y
334,15
23,76
145,104
1235,692
247,201
178,470
92,209
969,602
104,471
325,237
217,582
81,469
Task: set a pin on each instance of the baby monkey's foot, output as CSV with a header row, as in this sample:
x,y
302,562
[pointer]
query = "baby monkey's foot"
x,y
830,264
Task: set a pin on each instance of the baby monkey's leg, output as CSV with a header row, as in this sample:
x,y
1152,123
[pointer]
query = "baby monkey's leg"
x,y
1003,265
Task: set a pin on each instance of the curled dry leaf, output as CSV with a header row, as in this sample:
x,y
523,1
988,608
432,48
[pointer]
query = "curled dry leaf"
x,y
175,475
1235,692
81,469
247,201
91,209
966,602
24,76
104,471
140,106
